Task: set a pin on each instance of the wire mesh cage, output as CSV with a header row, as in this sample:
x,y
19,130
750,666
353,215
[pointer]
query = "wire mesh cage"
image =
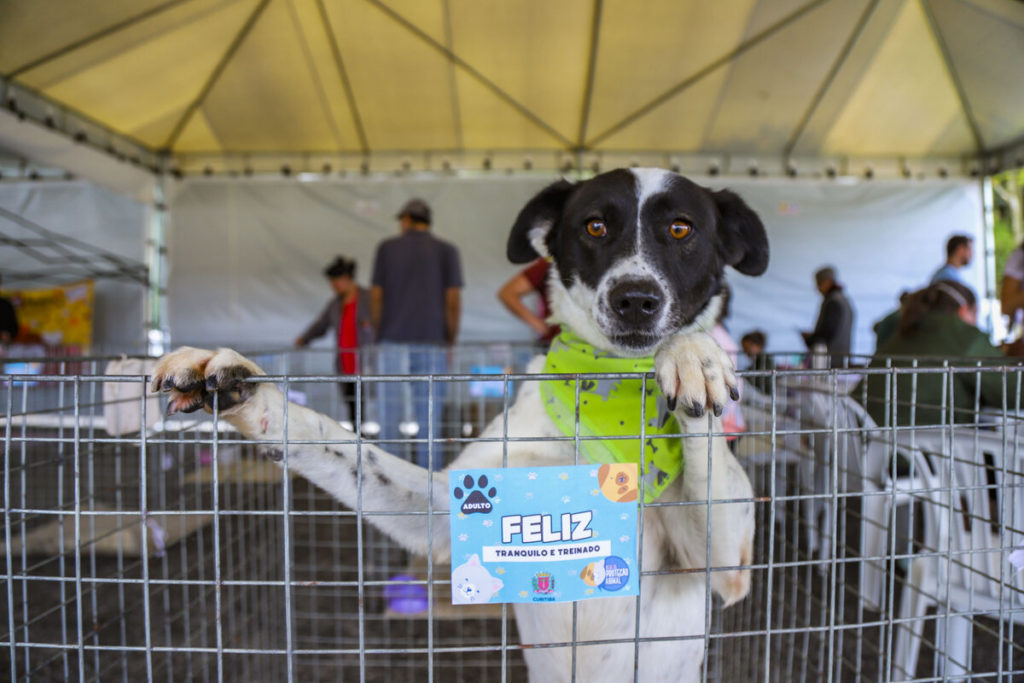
x,y
886,547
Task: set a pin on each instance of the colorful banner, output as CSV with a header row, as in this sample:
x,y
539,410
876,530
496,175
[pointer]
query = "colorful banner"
x,y
544,534
57,316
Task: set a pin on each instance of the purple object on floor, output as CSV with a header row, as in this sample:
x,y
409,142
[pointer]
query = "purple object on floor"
x,y
406,598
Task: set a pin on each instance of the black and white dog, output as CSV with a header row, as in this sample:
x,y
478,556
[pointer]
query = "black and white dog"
x,y
637,269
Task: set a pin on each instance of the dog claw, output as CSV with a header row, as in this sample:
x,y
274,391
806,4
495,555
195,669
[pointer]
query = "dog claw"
x,y
718,409
671,401
695,410
274,454
734,393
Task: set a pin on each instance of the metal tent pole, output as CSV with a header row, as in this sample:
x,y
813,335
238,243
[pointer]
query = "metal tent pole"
x,y
158,337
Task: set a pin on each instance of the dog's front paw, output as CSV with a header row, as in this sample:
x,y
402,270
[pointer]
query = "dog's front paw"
x,y
193,377
694,373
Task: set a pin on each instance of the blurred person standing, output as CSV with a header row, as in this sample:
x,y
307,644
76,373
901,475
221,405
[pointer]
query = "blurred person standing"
x,y
8,320
834,327
1011,291
753,344
347,315
733,423
531,280
959,252
415,303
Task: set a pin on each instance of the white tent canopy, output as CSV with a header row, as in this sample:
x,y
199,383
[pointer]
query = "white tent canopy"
x,y
119,91
237,84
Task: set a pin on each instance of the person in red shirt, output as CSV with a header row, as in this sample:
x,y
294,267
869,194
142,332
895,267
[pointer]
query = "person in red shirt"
x,y
531,280
347,316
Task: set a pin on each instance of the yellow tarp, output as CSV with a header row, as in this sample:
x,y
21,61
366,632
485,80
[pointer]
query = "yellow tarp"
x,y
786,77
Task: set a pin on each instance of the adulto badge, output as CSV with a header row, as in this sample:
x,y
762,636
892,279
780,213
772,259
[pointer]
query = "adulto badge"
x,y
543,534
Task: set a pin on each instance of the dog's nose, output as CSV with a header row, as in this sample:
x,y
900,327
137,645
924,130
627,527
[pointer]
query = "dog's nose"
x,y
636,302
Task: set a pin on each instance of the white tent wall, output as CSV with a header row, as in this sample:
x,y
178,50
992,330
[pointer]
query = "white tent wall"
x,y
91,214
247,254
883,237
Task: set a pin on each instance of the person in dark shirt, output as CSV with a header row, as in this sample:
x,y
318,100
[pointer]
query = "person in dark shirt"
x,y
8,320
415,304
753,344
936,325
834,327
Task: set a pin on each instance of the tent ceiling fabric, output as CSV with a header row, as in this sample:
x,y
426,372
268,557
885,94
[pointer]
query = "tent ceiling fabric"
x,y
801,78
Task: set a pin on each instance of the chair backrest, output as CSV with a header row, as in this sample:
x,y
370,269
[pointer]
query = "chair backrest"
x,y
977,510
848,433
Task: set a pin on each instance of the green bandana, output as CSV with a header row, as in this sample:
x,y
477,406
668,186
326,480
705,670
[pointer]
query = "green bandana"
x,y
612,407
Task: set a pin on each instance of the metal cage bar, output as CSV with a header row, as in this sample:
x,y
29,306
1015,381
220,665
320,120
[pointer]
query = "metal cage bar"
x,y
884,548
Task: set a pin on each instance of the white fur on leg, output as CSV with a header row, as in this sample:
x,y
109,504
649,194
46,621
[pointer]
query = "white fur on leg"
x,y
694,372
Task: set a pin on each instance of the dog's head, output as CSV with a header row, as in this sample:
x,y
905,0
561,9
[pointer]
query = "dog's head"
x,y
637,254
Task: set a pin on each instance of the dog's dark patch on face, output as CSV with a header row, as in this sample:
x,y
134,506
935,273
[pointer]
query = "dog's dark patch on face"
x,y
683,234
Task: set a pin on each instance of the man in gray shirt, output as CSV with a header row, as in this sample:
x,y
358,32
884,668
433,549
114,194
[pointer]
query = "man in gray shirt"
x,y
415,303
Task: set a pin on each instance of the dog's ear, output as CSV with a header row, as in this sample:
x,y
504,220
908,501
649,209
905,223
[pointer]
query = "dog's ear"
x,y
528,238
742,238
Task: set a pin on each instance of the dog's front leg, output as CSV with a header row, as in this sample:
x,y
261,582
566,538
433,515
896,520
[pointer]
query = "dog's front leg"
x,y
693,373
360,475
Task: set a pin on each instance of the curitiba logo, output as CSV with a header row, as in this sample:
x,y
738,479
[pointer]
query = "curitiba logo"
x,y
543,583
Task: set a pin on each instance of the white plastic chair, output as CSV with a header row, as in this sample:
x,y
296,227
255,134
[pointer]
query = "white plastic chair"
x,y
865,455
973,513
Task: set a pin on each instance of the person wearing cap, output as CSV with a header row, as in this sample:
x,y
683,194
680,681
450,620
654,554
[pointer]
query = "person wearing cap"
x,y
834,327
347,317
415,305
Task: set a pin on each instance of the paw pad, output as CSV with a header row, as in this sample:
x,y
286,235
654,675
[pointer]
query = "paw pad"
x,y
478,496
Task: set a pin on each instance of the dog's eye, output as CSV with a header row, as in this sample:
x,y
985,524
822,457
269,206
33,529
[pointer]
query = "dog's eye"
x,y
596,228
680,229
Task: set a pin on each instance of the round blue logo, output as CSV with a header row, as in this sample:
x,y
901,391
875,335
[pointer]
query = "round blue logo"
x,y
616,573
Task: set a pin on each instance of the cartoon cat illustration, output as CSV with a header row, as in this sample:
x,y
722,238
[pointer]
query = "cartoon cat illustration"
x,y
472,583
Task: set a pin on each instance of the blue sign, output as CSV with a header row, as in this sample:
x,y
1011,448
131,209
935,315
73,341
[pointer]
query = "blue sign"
x,y
543,534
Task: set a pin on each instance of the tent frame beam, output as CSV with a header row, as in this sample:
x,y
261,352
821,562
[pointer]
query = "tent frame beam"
x,y
346,83
236,43
92,38
588,93
705,71
830,77
954,77
472,72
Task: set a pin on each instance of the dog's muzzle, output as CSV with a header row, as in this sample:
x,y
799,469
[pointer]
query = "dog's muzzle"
x,y
636,304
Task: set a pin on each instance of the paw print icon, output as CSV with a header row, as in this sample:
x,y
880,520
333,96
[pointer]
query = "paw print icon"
x,y
478,497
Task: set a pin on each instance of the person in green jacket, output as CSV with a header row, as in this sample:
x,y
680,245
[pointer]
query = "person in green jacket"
x,y
936,326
